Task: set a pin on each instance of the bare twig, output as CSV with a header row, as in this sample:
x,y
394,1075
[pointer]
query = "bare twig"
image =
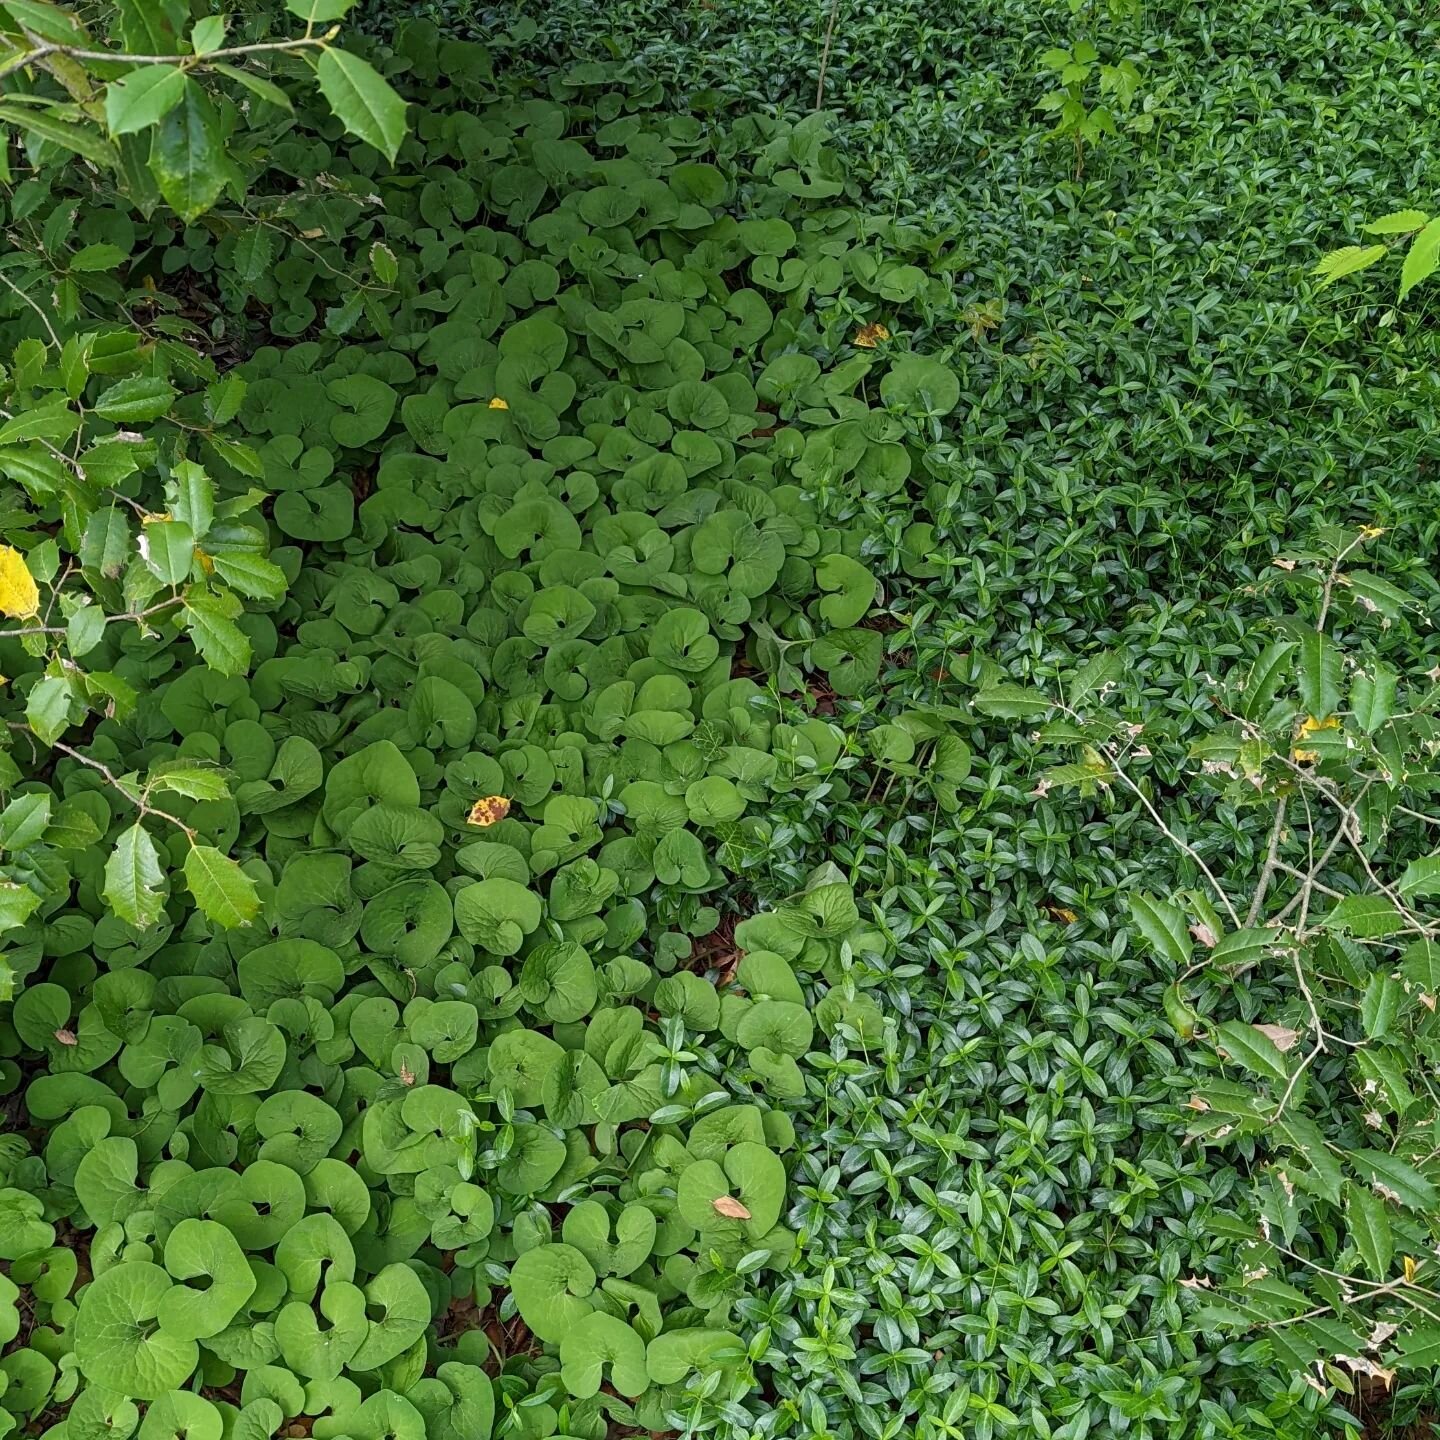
x,y
1271,858
136,615
1183,846
11,285
140,802
825,53
43,49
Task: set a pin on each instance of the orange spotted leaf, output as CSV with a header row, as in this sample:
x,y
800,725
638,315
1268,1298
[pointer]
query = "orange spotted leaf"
x,y
487,810
867,337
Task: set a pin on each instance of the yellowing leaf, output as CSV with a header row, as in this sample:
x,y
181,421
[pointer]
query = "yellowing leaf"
x,y
498,404
1309,725
729,1207
1410,1268
487,810
1304,757
868,336
19,596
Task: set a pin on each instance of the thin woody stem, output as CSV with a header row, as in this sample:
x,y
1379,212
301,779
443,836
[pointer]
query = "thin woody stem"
x,y
44,48
136,615
138,801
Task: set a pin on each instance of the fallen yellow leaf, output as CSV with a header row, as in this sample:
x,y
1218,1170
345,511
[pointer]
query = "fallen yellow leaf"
x,y
498,404
19,595
729,1207
868,336
487,810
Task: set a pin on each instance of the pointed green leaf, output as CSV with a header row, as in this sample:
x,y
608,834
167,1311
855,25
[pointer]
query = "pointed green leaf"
x,y
1348,260
17,904
1397,1176
143,97
194,501
47,707
84,140
187,157
1253,1049
133,878
222,890
1093,676
168,549
1420,1349
1007,701
251,575
1421,258
220,641
1369,1229
257,85
1163,925
208,34
362,100
1372,696
1370,917
1398,222
1319,678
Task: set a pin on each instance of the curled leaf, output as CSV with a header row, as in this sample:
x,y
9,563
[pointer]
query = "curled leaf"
x,y
1282,1038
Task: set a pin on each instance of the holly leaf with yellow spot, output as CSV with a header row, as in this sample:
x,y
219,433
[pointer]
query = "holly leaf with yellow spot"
x,y
1303,755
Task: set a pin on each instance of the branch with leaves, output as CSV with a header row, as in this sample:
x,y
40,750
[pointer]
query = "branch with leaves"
x,y
151,106
1328,740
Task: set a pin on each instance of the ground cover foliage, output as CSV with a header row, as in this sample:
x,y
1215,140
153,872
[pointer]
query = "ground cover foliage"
x,y
688,985
1007,1228
410,1116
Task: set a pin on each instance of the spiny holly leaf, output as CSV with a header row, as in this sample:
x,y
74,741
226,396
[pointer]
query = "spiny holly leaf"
x,y
133,878
222,890
362,100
